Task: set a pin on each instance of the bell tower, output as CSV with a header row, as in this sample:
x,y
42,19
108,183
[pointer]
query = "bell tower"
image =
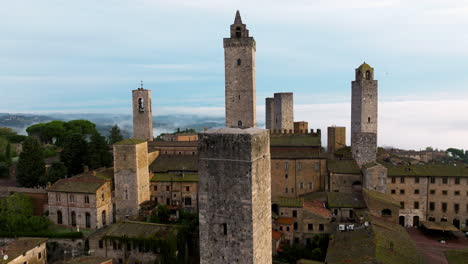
x,y
142,114
239,66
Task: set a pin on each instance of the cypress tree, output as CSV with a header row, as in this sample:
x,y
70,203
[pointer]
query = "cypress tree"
x,y
115,135
31,165
74,153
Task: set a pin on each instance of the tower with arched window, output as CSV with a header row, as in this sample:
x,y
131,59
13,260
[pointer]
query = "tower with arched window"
x,y
142,114
364,115
239,66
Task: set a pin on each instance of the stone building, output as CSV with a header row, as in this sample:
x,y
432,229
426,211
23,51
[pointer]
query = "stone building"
x,y
344,176
336,138
300,220
375,177
364,115
235,216
301,126
137,242
284,111
24,250
83,201
175,181
239,66
270,113
131,177
174,147
430,193
180,137
142,114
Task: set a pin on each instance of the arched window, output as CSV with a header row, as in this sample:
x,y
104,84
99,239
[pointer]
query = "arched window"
x,y
141,105
88,220
368,120
239,61
239,124
368,75
73,218
358,75
386,212
104,219
357,186
59,217
238,32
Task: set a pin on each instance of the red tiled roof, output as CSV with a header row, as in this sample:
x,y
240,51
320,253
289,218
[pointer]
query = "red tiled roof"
x,y
318,208
285,220
276,235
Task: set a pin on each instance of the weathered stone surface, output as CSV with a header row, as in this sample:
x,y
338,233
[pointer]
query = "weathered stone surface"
x,y
269,113
235,196
284,111
336,139
364,147
131,176
142,115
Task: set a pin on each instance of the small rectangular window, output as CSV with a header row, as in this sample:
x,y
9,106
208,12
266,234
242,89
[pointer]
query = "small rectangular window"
x,y
187,188
444,192
294,213
444,207
295,225
299,165
457,192
416,180
432,206
402,205
402,179
457,180
456,207
444,180
310,227
393,191
286,165
393,179
301,185
416,191
101,244
225,229
402,191
432,191
432,179
416,205
320,227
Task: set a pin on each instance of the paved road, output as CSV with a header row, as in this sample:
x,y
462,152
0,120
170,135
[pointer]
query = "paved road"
x,y
432,249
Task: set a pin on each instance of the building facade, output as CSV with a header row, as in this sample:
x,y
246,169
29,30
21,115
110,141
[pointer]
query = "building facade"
x,y
82,201
284,111
239,66
336,138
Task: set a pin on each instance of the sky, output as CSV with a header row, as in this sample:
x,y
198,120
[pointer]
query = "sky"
x,y
86,56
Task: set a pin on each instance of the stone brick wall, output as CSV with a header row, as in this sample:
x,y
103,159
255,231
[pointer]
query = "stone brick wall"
x,y
240,88
301,127
284,111
174,193
235,196
142,118
345,182
131,176
364,147
375,178
294,177
269,113
364,106
336,139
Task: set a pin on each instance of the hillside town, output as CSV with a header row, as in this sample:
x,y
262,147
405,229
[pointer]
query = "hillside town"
x,y
232,194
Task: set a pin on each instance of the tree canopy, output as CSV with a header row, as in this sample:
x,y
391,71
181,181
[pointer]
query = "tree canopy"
x,y
31,165
54,132
115,135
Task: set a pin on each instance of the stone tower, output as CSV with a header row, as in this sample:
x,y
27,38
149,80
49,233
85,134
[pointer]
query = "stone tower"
x,y
284,111
269,113
239,66
364,115
364,101
131,177
142,114
336,138
235,196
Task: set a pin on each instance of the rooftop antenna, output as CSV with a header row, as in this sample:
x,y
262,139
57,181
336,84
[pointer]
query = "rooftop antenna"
x,y
141,83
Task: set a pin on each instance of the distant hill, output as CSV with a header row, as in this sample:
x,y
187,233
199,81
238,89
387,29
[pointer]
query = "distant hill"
x,y
166,123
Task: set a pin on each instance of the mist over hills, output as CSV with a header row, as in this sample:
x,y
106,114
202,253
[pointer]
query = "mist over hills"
x,y
161,124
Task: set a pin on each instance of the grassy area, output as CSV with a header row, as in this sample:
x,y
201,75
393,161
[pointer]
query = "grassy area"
x,y
457,256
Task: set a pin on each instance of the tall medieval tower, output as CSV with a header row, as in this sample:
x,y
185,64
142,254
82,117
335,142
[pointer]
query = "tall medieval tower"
x,y
284,111
364,115
239,66
235,196
142,114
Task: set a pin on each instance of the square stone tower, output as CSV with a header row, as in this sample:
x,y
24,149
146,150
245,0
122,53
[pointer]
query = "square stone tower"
x,y
364,105
235,196
336,138
131,177
142,114
284,111
269,113
239,66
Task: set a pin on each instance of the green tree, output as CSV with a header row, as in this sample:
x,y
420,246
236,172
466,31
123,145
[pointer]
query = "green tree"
x,y
74,153
54,173
160,215
31,166
16,215
115,135
99,155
